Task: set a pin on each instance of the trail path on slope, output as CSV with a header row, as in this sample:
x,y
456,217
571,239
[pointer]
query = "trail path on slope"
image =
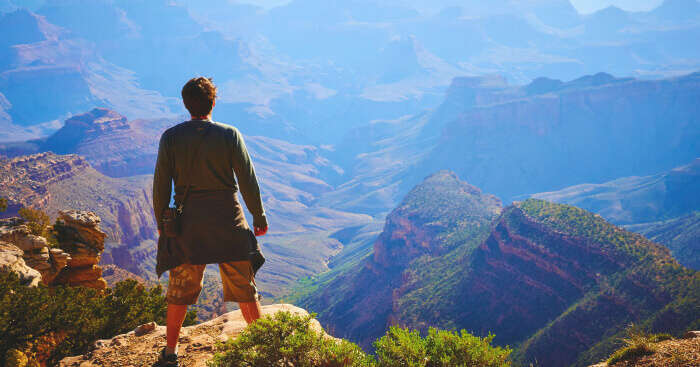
x,y
140,348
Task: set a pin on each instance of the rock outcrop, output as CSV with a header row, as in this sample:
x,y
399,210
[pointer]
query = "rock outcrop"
x,y
78,233
141,346
36,252
72,262
11,260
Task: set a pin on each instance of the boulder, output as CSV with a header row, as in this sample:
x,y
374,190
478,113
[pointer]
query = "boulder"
x,y
11,259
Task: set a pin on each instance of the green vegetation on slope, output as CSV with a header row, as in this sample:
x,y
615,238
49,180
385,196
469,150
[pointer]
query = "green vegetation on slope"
x,y
581,223
51,323
652,289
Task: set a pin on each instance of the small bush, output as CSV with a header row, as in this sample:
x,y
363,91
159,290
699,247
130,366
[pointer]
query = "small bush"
x,y
36,220
638,343
286,339
440,348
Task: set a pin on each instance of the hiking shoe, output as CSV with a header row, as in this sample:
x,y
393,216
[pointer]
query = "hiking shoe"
x,y
166,360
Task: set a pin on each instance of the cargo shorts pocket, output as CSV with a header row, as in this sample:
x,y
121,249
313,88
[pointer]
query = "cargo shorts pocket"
x,y
238,281
185,284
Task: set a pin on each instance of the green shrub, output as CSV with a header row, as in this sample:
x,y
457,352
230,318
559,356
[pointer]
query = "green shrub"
x,y
402,347
36,220
72,318
286,339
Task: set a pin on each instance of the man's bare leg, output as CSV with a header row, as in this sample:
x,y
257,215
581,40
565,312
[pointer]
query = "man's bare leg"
x,y
251,311
176,316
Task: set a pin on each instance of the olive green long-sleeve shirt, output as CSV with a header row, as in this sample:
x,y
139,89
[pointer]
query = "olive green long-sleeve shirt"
x,y
222,153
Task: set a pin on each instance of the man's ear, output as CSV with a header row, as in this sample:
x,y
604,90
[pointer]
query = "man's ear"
x,y
213,104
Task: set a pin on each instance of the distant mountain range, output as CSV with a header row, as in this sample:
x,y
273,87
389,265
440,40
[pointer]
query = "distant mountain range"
x,y
515,140
531,273
311,70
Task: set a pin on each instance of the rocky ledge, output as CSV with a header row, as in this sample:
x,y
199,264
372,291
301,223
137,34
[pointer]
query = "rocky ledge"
x,y
141,346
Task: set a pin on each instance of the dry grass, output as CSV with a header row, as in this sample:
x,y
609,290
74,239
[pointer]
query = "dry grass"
x,y
668,353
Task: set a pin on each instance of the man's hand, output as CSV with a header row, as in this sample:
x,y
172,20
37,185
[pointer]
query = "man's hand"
x,y
260,231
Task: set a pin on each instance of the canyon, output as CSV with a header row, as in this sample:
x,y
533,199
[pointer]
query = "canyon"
x,y
529,273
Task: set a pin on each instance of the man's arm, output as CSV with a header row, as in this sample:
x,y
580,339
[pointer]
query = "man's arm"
x,y
248,183
162,181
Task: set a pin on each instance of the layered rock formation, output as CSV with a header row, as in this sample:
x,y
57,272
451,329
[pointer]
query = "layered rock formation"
x,y
73,262
79,234
420,228
35,249
108,141
141,346
25,180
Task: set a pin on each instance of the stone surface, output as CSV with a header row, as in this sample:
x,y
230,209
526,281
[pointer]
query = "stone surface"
x,y
692,334
141,346
11,260
78,232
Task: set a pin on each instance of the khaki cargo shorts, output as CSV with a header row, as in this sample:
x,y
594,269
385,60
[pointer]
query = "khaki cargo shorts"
x,y
186,283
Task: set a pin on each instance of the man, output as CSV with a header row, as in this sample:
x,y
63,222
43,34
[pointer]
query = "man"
x,y
201,157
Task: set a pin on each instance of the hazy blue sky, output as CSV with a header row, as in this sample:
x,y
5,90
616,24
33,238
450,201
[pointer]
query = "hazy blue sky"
x,y
587,6
583,6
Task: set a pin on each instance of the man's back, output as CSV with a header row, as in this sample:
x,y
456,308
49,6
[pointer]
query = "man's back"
x,y
221,152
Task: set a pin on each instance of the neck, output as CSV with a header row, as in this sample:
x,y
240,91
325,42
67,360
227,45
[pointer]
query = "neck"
x,y
205,117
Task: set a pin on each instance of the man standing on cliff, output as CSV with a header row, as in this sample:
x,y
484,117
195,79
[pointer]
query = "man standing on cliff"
x,y
201,157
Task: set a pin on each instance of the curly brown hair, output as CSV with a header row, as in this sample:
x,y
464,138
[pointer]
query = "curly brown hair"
x,y
199,94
